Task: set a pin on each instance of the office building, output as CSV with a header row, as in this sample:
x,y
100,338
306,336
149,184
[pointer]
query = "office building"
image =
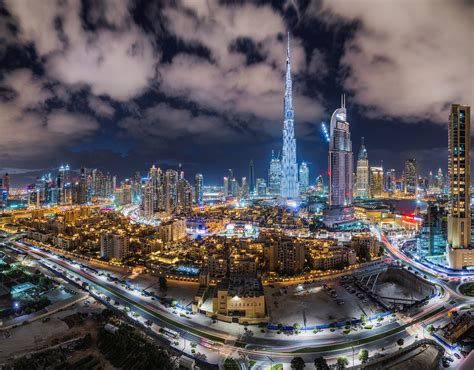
x,y
362,174
198,189
410,177
148,199
261,187
459,253
376,182
226,186
274,176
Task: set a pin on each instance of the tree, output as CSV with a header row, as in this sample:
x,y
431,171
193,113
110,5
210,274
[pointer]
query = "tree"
x,y
400,342
163,283
363,318
342,362
363,355
297,363
320,363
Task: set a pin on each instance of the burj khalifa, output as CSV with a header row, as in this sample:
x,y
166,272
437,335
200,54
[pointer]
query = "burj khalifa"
x,y
289,179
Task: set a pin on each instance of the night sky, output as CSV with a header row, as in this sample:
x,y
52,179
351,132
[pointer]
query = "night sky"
x,y
120,85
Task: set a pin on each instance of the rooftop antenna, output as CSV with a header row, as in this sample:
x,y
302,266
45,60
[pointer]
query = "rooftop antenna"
x,y
343,100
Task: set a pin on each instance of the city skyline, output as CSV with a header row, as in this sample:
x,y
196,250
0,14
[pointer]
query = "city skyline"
x,y
140,120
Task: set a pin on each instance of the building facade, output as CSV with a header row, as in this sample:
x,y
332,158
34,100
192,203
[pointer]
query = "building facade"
x,y
362,174
460,253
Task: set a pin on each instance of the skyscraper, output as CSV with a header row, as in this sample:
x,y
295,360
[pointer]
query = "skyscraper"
x,y
460,254
362,175
261,187
390,180
340,159
376,182
251,178
6,182
198,191
226,186
274,176
410,177
340,169
304,177
148,199
289,178
171,191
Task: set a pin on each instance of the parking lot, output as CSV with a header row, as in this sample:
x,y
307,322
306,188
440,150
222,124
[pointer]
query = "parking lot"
x,y
317,303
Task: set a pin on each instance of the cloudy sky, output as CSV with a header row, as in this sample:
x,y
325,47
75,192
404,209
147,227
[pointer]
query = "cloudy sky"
x,y
122,85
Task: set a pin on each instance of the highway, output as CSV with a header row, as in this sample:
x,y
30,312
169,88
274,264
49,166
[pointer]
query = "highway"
x,y
259,349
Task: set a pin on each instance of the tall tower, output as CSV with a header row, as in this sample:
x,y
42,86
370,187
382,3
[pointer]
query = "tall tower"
x,y
198,189
289,179
362,176
460,254
340,159
410,175
251,178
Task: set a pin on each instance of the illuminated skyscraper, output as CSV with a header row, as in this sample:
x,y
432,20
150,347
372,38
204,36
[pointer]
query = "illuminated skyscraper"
x,y
340,169
376,182
340,159
226,186
251,178
185,196
198,190
6,183
460,254
171,191
304,177
289,178
362,176
148,199
274,176
410,176
261,187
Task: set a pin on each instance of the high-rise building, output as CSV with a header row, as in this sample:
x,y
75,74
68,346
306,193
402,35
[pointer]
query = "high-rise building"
x,y
185,196
230,176
148,199
289,178
303,177
226,186
6,183
198,189
340,169
274,176
320,185
362,175
251,178
340,159
245,187
171,191
234,187
459,252
376,182
410,177
440,180
390,180
261,187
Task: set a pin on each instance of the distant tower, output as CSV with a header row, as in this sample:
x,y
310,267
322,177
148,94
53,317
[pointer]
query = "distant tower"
x,y
198,189
362,176
274,176
459,251
251,178
410,176
289,179
304,177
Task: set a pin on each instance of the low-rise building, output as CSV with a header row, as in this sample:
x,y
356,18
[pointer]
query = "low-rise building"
x,y
172,231
240,297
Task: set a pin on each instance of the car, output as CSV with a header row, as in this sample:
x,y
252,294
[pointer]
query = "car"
x,y
457,355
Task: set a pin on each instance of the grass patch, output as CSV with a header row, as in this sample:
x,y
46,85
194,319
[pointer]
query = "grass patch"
x,y
467,289
231,364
